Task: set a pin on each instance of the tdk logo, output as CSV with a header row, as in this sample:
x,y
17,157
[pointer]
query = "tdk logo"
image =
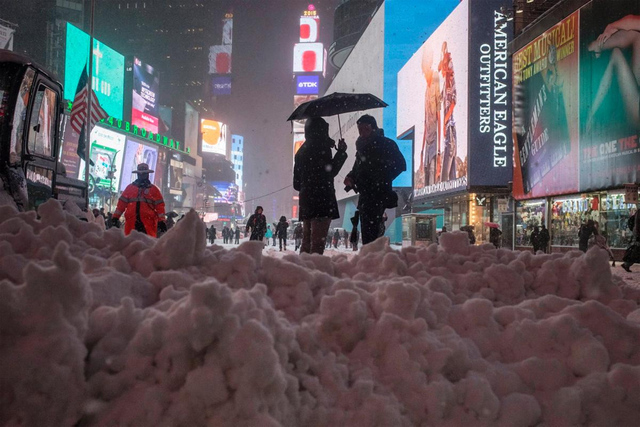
x,y
307,85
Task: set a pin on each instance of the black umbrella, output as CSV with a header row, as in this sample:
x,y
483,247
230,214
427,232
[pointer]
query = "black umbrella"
x,y
336,103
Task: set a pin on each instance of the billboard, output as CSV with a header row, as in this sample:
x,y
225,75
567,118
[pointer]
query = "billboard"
x,y
308,58
609,94
214,137
146,82
228,192
176,174
545,80
576,94
307,85
437,120
490,162
69,150
108,70
220,59
6,37
191,127
136,153
221,85
107,149
309,29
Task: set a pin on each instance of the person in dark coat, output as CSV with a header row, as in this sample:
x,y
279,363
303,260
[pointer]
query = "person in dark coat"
x,y
544,238
281,232
212,234
495,236
345,238
586,230
297,235
336,238
535,239
257,225
313,173
378,162
632,254
237,233
355,235
224,235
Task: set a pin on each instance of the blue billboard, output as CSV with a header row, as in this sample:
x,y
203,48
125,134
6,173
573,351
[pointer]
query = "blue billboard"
x,y
408,24
221,85
307,85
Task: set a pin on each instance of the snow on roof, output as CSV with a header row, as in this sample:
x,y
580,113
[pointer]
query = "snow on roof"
x,y
99,328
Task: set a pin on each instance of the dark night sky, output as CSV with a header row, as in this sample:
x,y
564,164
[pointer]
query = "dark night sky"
x,y
263,90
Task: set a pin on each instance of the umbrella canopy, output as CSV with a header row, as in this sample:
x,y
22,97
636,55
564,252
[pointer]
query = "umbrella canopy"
x,y
492,225
336,103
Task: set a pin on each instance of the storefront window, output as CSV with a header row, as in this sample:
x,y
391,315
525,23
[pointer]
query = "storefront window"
x,y
529,213
606,209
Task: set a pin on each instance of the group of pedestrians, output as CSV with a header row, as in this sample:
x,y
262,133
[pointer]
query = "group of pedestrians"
x,y
378,162
258,229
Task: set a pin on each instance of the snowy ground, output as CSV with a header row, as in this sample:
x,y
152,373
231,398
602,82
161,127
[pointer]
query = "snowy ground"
x,y
101,329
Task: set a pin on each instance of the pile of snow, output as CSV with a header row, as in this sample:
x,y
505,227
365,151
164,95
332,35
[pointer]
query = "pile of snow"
x,y
101,329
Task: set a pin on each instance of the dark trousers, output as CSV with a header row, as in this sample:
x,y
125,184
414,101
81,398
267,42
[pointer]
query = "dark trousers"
x,y
314,235
371,212
281,240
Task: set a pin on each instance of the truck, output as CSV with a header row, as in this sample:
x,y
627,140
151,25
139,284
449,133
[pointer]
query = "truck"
x,y
31,121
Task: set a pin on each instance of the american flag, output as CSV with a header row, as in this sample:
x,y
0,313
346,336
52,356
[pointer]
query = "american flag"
x,y
79,108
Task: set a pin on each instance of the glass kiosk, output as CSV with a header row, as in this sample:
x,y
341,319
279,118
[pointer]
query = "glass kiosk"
x,y
418,229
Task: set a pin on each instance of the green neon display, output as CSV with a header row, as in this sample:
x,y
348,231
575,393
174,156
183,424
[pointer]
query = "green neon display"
x,y
142,133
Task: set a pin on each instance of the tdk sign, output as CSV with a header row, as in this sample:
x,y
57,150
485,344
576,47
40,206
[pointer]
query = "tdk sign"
x,y
307,85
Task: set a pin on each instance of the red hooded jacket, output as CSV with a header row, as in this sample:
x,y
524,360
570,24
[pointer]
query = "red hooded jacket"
x,y
151,206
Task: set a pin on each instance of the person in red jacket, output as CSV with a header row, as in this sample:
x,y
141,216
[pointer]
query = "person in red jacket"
x,y
142,205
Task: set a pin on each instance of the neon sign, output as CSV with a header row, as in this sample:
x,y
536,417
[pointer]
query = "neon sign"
x,y
142,133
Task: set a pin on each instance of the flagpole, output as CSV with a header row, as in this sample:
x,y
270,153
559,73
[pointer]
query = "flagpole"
x,y
87,132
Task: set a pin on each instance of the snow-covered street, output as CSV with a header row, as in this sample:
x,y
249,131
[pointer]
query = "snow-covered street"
x,y
102,329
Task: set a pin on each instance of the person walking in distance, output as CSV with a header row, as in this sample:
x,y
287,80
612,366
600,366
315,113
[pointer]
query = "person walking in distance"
x,y
297,235
257,225
142,205
212,234
314,171
268,234
237,233
544,239
355,235
345,238
535,239
378,162
281,231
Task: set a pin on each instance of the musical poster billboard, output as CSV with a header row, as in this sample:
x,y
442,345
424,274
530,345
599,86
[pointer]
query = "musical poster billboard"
x,y
146,83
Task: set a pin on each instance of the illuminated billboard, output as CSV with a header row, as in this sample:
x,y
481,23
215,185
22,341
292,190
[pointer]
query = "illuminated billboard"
x,y
191,127
176,174
214,137
308,58
107,149
146,82
221,85
309,29
228,192
433,107
220,59
108,70
136,153
307,85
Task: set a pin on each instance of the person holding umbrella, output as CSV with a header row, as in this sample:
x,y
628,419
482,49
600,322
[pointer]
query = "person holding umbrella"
x,y
313,173
378,162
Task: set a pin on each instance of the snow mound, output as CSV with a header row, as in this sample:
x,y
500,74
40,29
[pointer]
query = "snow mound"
x,y
102,329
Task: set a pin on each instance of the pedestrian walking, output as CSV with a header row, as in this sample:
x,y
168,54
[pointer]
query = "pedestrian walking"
x,y
355,235
345,238
224,235
632,254
544,239
584,233
314,171
535,239
274,235
469,230
297,235
281,231
268,234
212,234
336,238
237,234
378,162
257,225
495,236
142,205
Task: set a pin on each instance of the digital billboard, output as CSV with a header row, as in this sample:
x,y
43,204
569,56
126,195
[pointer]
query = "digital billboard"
x,y
577,116
407,25
108,70
545,81
220,59
228,192
214,137
107,149
6,37
308,58
146,82
309,29
136,153
191,127
307,85
221,85
437,120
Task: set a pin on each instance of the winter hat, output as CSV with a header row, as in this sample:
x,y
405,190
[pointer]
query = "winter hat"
x,y
143,168
367,119
316,126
